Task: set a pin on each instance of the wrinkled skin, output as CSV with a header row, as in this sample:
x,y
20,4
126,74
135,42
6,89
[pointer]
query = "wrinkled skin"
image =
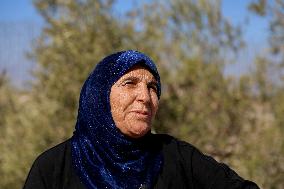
x,y
134,102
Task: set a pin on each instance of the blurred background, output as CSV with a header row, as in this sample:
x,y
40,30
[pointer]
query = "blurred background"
x,y
221,66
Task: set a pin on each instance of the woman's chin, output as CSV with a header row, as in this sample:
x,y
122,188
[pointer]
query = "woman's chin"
x,y
138,132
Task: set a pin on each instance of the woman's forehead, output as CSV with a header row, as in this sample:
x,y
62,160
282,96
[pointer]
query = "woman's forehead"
x,y
139,71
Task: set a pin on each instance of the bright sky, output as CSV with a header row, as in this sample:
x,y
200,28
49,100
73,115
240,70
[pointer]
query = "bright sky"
x,y
20,24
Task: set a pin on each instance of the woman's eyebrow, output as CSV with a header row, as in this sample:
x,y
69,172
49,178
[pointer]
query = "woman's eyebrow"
x,y
134,78
130,78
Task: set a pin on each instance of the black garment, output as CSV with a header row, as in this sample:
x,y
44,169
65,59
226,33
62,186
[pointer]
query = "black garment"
x,y
184,167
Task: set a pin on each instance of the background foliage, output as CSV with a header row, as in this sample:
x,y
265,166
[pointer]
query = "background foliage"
x,y
238,120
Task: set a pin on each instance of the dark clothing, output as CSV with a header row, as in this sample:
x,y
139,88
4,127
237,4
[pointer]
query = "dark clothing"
x,y
184,167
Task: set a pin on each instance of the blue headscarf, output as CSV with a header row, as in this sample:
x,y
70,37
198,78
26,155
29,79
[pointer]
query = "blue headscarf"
x,y
102,156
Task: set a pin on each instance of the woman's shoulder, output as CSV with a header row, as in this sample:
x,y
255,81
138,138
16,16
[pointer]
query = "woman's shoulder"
x,y
54,154
199,167
176,151
52,168
189,155
173,144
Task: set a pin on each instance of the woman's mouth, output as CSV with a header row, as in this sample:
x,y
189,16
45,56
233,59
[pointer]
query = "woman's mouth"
x,y
142,114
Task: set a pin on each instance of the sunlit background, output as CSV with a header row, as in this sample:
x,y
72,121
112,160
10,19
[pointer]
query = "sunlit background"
x,y
21,24
221,65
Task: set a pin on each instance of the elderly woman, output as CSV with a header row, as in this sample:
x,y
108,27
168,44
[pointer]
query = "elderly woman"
x,y
113,147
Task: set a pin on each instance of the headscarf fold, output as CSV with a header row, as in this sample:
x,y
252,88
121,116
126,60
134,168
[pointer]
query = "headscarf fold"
x,y
102,156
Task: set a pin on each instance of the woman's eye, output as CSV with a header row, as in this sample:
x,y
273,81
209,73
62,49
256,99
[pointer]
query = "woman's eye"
x,y
128,83
153,87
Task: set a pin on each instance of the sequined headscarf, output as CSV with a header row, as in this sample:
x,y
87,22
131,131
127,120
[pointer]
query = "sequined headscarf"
x,y
101,155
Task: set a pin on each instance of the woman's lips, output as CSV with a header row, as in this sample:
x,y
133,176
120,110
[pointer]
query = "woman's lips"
x,y
141,113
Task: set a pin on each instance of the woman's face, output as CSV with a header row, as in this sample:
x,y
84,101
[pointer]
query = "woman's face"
x,y
134,102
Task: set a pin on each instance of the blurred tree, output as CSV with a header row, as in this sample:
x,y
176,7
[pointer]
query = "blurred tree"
x,y
269,84
236,120
12,159
7,105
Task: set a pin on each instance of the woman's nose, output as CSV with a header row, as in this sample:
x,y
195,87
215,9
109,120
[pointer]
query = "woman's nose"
x,y
143,94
